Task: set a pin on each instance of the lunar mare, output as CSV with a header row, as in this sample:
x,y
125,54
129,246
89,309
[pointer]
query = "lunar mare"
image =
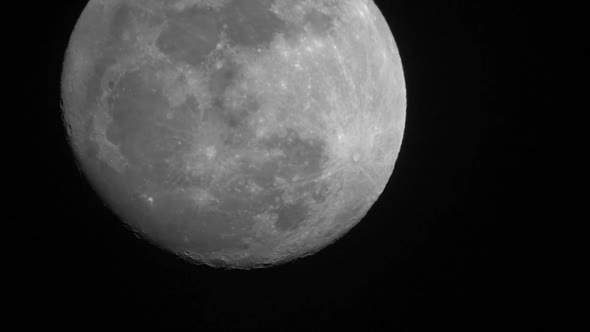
x,y
235,133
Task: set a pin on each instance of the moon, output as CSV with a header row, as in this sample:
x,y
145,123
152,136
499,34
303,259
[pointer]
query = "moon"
x,y
237,134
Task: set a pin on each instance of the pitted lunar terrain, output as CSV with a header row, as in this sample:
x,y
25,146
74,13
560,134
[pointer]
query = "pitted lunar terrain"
x,y
235,133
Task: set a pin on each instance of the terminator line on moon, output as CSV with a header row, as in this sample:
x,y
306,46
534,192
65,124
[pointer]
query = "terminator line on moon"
x,y
235,133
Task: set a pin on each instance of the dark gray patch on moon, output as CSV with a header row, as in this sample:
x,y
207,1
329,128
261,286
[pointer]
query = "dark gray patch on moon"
x,y
291,216
251,23
318,22
190,36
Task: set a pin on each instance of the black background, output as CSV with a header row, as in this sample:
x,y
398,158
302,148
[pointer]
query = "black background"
x,y
472,233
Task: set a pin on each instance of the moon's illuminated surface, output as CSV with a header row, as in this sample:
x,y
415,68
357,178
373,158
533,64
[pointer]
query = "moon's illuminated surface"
x,y
235,133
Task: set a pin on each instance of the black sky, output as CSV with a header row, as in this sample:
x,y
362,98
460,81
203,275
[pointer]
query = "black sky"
x,y
473,232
